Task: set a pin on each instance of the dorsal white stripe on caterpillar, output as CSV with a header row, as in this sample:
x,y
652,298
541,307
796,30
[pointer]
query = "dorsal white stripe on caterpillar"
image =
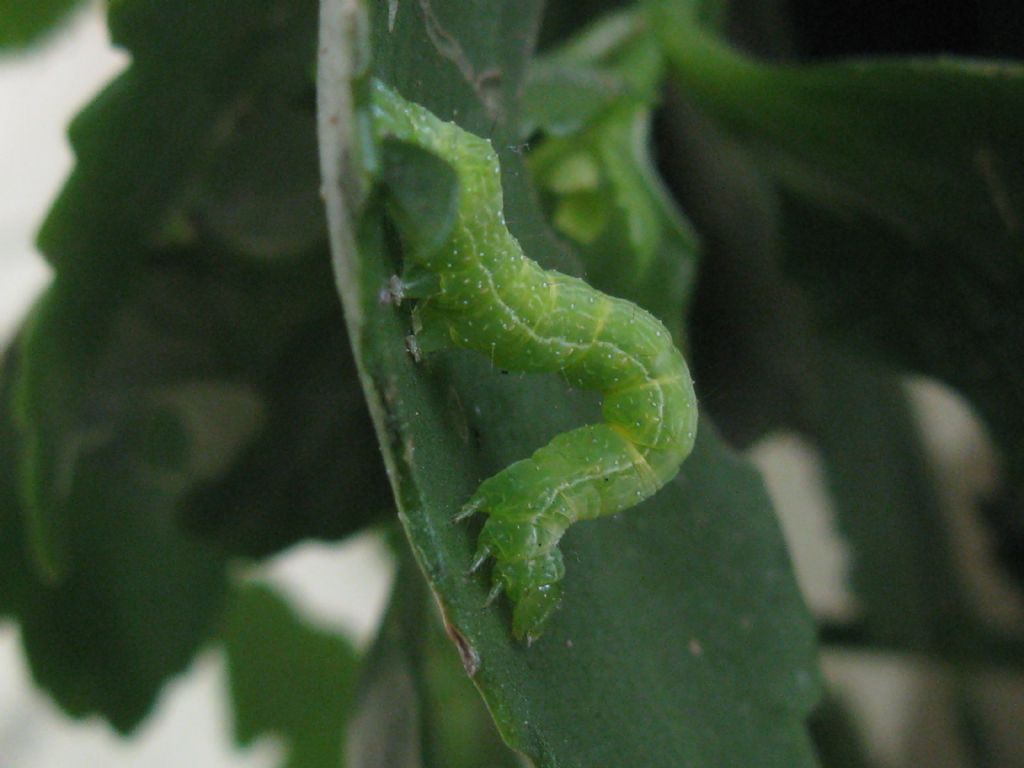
x,y
491,298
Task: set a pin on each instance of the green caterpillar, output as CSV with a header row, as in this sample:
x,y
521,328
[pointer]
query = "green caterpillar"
x,y
486,295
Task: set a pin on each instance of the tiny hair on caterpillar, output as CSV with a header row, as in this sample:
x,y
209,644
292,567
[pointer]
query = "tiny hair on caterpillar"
x,y
475,288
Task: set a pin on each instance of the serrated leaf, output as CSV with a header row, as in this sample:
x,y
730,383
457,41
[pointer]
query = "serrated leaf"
x,y
156,375
218,130
703,563
142,597
288,678
151,146
100,356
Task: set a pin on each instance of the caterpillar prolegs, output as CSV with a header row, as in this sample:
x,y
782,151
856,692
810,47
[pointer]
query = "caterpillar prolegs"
x,y
487,296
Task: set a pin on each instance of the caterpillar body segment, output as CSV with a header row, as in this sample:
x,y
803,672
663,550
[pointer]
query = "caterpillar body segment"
x,y
493,299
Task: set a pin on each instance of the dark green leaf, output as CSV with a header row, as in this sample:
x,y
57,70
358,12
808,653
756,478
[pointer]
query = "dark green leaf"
x,y
158,373
386,729
288,678
416,706
276,440
758,349
702,565
104,359
886,136
839,743
197,173
904,219
210,84
23,22
142,596
163,401
922,304
313,469
888,508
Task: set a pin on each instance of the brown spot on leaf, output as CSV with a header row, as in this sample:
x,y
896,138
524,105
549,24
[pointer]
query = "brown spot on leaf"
x,y
470,658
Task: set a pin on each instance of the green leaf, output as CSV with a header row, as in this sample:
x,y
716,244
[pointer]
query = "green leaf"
x,y
24,22
313,469
758,348
203,133
888,509
416,705
921,304
886,137
142,596
103,360
159,364
158,375
598,180
839,743
702,564
261,382
197,186
386,729
287,678
903,218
